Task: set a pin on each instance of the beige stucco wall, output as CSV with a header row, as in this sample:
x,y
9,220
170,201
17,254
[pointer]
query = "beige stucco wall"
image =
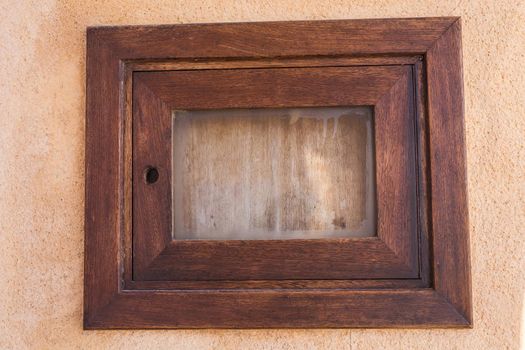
x,y
42,74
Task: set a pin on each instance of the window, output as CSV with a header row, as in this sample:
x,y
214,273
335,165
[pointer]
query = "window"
x,y
283,174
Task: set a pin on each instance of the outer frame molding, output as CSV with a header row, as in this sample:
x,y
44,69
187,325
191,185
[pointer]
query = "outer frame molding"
x,y
110,303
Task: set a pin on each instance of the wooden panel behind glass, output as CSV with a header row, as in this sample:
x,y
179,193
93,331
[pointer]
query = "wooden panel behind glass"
x,y
273,173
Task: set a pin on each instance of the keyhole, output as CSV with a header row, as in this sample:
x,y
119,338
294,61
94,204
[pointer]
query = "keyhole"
x,y
151,175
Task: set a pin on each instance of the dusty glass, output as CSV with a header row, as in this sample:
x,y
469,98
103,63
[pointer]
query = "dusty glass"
x,y
287,173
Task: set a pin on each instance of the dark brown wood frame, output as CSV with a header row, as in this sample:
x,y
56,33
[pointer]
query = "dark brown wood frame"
x,y
415,274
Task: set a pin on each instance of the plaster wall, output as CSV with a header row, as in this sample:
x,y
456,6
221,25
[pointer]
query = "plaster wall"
x,y
42,88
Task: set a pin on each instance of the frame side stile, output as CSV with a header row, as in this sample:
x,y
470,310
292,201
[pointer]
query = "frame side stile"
x,y
448,171
102,201
147,247
398,102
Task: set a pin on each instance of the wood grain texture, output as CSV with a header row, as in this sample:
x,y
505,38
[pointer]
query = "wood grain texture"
x,y
359,258
278,39
396,178
296,309
114,55
272,87
448,169
103,162
151,148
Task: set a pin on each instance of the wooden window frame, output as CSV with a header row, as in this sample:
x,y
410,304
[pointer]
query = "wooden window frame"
x,y
390,255
415,273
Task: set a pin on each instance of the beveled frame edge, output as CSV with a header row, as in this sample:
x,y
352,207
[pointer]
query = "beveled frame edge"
x,y
448,304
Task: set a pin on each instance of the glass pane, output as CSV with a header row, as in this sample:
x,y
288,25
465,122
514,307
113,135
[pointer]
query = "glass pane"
x,y
273,173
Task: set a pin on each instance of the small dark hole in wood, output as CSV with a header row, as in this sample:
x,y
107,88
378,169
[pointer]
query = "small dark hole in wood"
x,y
151,175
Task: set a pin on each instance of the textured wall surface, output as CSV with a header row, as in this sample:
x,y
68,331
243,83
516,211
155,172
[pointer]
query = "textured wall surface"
x,y
42,75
